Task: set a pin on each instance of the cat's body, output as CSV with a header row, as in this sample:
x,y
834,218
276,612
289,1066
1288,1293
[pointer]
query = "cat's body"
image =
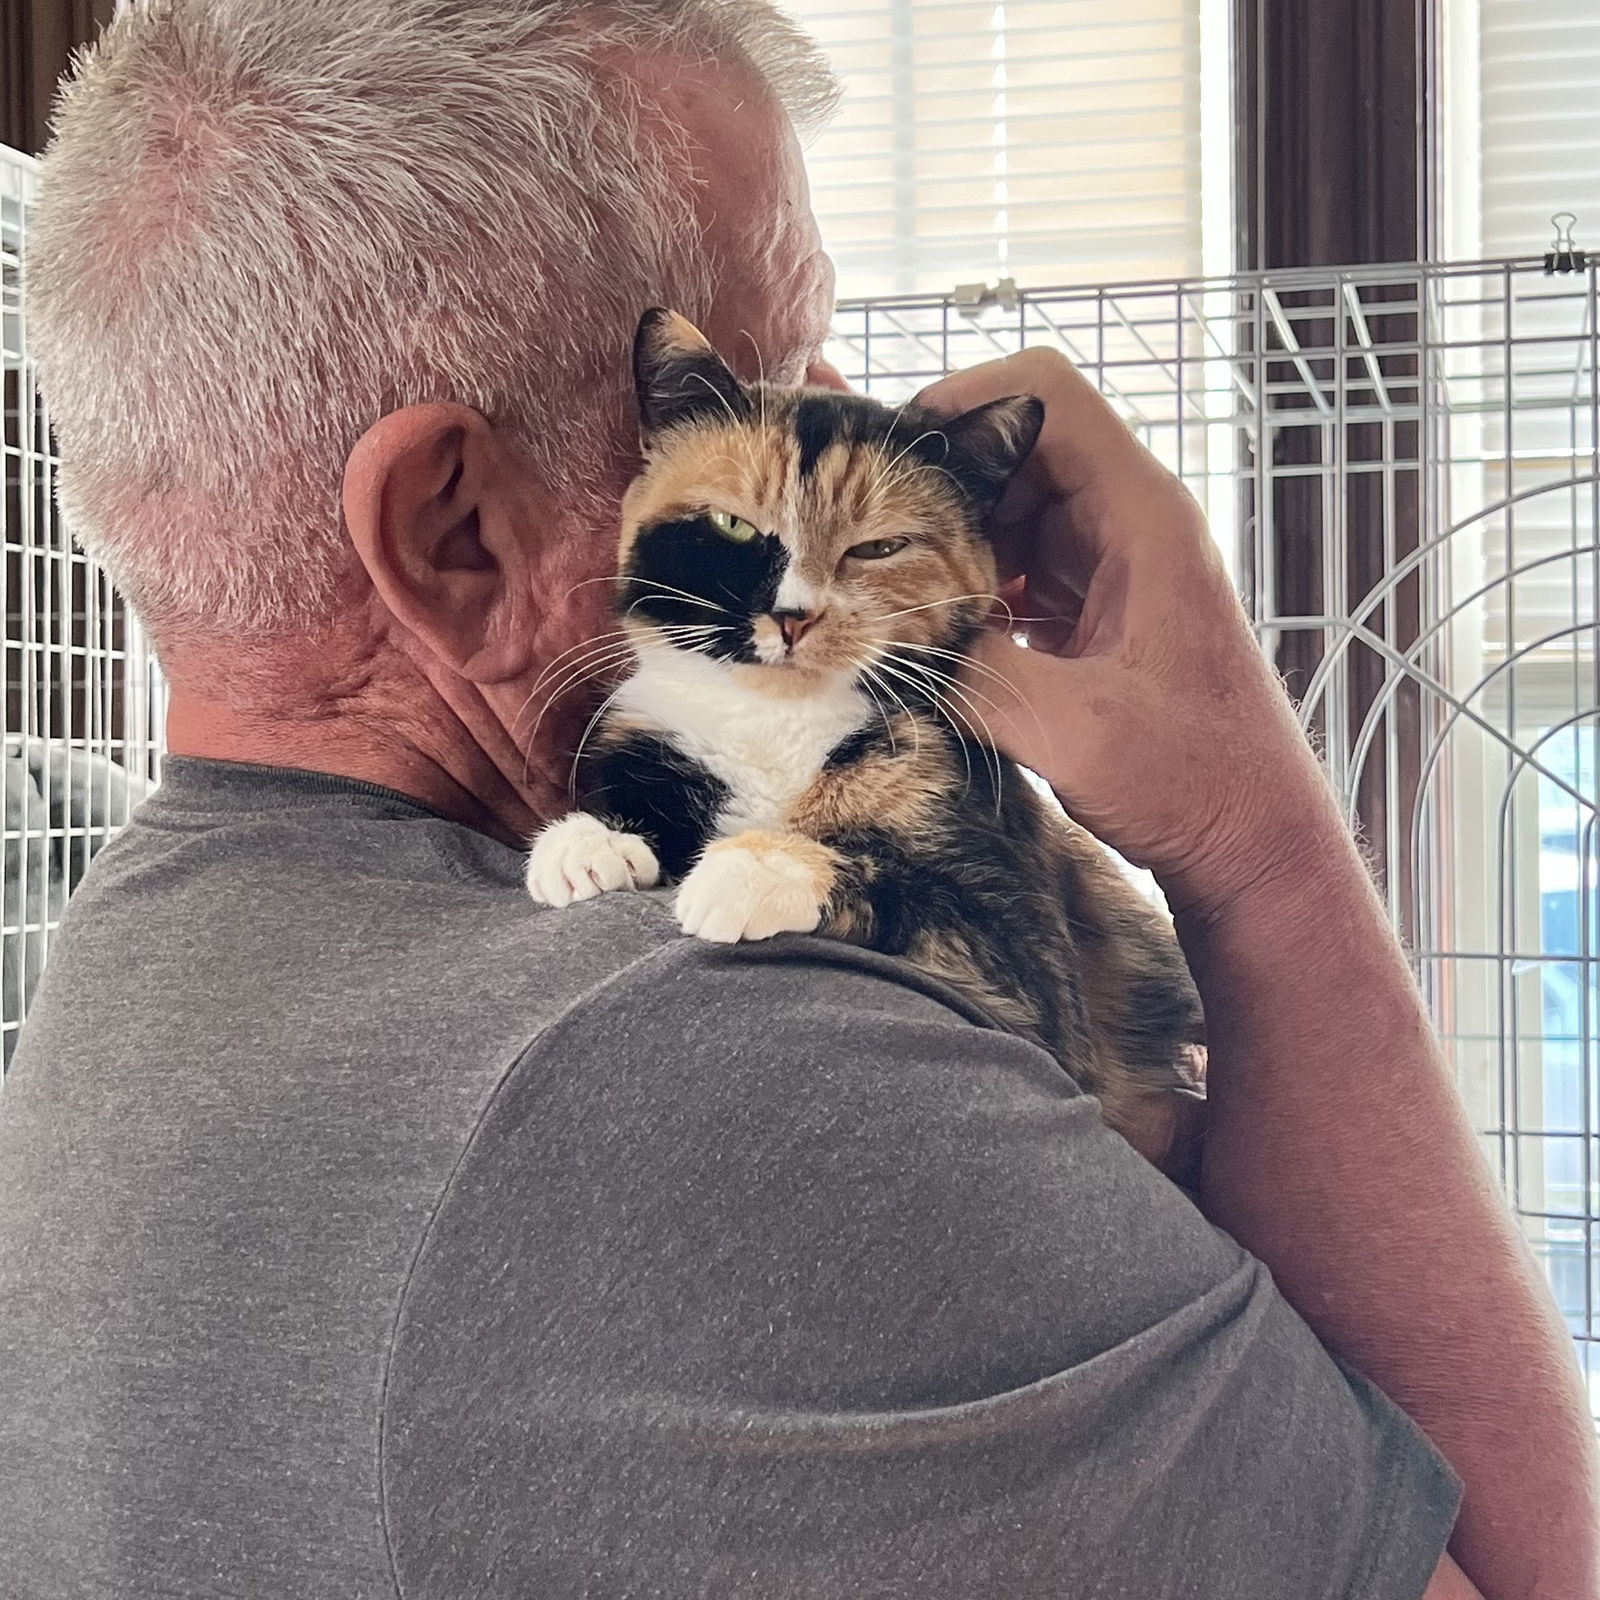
x,y
844,786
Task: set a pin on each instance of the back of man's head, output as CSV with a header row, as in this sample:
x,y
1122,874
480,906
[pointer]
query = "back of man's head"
x,y
266,223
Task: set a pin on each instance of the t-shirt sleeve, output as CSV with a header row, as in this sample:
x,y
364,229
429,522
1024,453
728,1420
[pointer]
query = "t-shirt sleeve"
x,y
772,1272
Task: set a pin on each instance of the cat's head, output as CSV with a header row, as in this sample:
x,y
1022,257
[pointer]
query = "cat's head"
x,y
797,535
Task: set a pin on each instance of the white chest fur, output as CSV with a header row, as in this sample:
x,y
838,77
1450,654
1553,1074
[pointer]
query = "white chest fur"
x,y
765,748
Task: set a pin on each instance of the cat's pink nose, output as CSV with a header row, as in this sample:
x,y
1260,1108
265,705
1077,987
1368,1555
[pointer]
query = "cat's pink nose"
x,y
793,625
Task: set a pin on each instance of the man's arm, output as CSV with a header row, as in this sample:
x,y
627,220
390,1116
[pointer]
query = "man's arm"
x,y
1451,1583
1336,1149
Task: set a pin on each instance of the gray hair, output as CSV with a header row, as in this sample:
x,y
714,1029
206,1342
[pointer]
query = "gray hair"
x,y
265,223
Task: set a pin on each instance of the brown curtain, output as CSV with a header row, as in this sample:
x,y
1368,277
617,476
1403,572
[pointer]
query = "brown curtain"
x,y
1332,167
37,38
1330,113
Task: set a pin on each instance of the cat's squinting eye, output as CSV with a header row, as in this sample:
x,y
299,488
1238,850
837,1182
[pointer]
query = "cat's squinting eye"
x,y
732,527
876,549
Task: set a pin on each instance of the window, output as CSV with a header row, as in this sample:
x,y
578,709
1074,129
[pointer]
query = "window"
x,y
1517,133
1567,1087
1050,141
1521,123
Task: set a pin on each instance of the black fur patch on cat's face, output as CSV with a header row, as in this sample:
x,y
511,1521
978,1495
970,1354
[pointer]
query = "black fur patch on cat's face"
x,y
703,589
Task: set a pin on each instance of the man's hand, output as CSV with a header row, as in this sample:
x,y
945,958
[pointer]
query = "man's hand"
x,y
1336,1148
1143,699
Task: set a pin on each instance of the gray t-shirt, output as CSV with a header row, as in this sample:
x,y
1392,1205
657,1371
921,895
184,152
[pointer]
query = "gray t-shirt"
x,y
368,1230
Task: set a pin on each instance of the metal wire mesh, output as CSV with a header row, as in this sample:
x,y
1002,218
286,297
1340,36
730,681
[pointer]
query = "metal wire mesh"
x,y
83,701
1403,465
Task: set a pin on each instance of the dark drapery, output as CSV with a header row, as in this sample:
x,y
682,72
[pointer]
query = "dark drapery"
x,y
37,38
1333,166
1330,113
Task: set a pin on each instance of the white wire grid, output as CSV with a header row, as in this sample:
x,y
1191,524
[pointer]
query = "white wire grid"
x,y
82,698
1403,466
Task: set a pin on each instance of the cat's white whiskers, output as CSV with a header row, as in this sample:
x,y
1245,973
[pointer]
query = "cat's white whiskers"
x,y
931,433
879,480
604,656
988,672
555,665
949,600
686,640
963,731
583,583
906,656
700,377
597,649
868,670
587,674
577,754
578,673
941,676
575,662
605,659
983,735
730,460
966,660
593,722
937,686
761,375
658,590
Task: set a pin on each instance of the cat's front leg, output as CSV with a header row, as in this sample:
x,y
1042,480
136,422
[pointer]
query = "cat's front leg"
x,y
579,857
757,884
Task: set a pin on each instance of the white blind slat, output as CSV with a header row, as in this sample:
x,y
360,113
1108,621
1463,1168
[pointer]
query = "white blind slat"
x,y
1057,141
1536,110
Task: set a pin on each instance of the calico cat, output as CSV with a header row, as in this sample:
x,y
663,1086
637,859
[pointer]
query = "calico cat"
x,y
800,573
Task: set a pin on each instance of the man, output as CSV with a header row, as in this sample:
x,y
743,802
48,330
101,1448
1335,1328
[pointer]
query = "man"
x,y
368,1230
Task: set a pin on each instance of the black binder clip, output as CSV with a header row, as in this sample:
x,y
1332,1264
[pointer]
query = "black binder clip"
x,y
1564,255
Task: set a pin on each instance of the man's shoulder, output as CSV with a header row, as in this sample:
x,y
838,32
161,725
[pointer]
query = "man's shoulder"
x,y
839,1123
285,930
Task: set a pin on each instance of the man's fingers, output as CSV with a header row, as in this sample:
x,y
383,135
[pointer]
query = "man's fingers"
x,y
1030,701
1083,438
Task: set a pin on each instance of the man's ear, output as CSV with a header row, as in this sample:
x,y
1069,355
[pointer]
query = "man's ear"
x,y
680,378
989,443
438,523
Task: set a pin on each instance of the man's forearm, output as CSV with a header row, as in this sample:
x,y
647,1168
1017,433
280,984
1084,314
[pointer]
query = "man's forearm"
x,y
1338,1152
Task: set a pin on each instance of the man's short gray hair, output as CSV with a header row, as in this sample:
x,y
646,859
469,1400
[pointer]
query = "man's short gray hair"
x,y
265,223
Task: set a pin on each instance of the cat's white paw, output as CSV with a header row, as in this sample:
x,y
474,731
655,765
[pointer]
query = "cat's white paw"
x,y
738,893
579,857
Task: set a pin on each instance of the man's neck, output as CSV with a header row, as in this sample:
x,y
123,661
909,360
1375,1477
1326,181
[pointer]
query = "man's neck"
x,y
436,759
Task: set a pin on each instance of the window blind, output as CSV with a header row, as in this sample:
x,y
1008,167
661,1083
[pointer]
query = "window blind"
x,y
1053,141
1537,152
1539,121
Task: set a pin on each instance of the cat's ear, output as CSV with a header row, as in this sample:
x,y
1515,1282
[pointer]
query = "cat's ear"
x,y
679,377
989,443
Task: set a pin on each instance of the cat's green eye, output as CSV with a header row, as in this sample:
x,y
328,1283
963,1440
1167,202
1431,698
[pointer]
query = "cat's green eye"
x,y
876,549
732,527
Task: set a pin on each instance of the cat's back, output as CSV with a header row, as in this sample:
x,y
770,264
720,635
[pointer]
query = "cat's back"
x,y
275,1016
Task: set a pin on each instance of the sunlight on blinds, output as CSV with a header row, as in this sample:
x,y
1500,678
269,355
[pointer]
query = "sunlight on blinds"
x,y
1520,141
1539,121
1053,141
